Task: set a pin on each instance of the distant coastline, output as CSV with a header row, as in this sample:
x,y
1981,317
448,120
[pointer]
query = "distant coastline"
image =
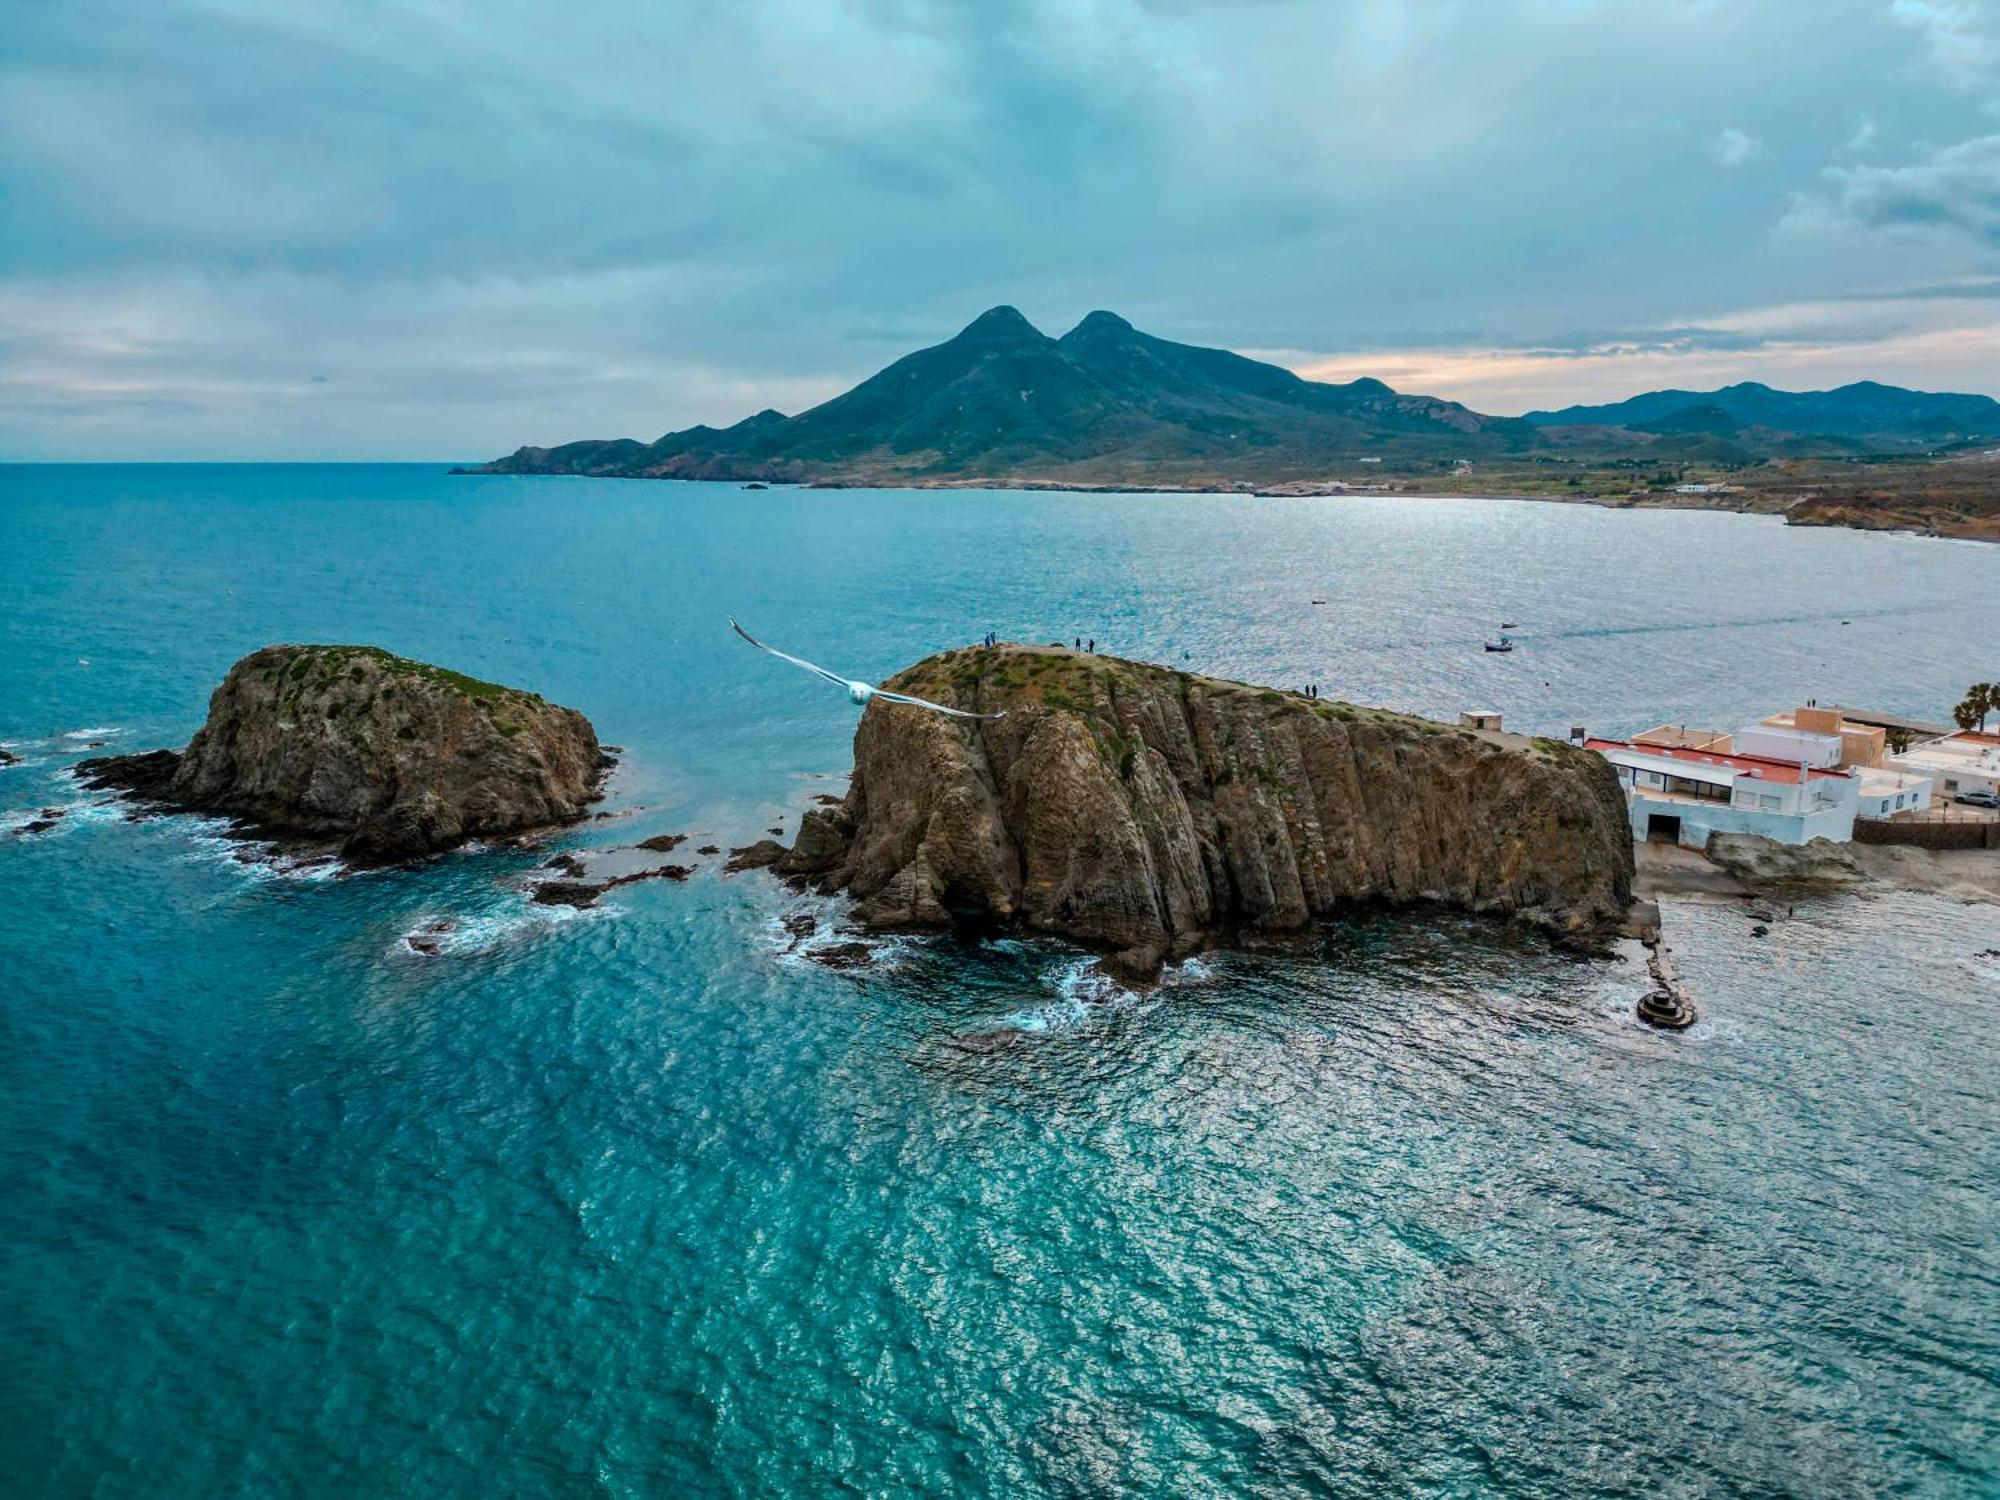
x,y
1744,499
1108,408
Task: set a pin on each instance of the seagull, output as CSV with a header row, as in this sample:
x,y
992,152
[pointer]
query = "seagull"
x,y
860,692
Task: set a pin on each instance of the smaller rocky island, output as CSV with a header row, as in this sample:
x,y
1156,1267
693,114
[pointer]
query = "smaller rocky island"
x,y
1148,812
391,759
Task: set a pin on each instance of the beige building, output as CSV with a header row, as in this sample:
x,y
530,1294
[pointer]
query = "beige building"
x,y
1681,737
1860,744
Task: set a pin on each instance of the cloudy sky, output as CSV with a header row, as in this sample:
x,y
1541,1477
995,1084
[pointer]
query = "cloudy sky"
x,y
236,229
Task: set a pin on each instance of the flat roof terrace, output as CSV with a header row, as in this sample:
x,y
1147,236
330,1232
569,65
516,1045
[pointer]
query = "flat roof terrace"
x,y
1689,762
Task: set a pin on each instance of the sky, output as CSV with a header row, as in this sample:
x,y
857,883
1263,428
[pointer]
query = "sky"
x,y
231,229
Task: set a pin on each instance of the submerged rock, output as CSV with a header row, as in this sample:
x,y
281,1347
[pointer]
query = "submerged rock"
x,y
393,758
585,893
41,822
1150,812
850,955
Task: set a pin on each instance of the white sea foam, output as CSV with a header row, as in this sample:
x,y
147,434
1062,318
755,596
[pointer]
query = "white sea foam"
x,y
103,732
1187,971
67,815
480,932
211,841
1084,993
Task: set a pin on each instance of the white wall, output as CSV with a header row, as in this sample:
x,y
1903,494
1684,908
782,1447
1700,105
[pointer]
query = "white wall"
x,y
1699,821
1789,745
1913,798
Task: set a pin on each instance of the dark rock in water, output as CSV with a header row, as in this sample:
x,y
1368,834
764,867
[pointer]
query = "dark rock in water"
x,y
709,849
577,893
1150,813
42,822
777,832
612,749
425,939
392,758
843,955
757,856
584,893
800,926
1760,930
568,864
662,843
8,758
825,799
147,776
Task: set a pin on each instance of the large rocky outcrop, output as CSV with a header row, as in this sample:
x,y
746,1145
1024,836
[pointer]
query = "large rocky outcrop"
x,y
393,758
1148,812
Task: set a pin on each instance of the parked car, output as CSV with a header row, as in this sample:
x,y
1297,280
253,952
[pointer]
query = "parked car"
x,y
1977,799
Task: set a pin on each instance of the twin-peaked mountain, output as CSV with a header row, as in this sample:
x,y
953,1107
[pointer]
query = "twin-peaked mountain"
x,y
1104,402
1107,404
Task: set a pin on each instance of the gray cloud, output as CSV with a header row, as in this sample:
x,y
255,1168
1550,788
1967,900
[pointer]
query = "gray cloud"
x,y
1955,190
499,222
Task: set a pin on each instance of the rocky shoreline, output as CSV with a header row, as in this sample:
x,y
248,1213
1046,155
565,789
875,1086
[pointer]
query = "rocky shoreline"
x,y
385,758
1150,813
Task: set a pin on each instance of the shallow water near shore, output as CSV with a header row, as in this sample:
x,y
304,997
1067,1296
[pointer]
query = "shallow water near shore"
x,y
649,1199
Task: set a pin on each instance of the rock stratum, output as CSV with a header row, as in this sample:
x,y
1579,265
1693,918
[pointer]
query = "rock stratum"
x,y
1149,813
394,759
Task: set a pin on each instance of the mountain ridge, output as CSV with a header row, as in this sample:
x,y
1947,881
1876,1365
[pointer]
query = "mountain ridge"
x,y
1107,404
1860,411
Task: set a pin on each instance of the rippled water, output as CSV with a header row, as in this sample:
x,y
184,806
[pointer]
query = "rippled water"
x,y
637,1201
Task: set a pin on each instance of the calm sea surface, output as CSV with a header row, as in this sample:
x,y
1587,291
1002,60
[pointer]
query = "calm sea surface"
x,y
637,1203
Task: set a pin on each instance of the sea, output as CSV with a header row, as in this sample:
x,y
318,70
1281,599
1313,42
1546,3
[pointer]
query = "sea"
x,y
650,1200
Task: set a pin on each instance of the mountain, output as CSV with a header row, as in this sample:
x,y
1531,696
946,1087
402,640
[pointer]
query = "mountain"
x,y
1104,403
1865,413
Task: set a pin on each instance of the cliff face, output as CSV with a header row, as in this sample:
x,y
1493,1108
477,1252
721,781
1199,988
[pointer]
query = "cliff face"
x,y
1149,812
395,758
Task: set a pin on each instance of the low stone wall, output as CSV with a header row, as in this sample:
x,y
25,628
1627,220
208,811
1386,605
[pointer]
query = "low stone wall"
x,y
1966,835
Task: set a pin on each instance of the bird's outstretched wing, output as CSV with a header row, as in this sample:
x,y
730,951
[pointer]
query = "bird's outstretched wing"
x,y
936,708
787,656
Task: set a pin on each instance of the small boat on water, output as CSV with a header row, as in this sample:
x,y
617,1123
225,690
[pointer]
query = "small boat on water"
x,y
1503,644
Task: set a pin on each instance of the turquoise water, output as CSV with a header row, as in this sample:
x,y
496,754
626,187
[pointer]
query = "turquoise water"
x,y
636,1202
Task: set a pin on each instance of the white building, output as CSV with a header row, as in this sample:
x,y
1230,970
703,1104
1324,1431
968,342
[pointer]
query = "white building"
x,y
1967,761
1770,741
1886,791
1683,793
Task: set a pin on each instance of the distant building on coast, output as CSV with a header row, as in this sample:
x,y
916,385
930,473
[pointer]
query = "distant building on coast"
x,y
1802,774
1684,794
1963,761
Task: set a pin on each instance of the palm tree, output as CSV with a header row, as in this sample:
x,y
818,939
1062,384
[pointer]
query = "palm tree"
x,y
1981,699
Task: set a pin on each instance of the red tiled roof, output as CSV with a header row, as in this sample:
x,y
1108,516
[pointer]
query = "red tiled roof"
x,y
1760,766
